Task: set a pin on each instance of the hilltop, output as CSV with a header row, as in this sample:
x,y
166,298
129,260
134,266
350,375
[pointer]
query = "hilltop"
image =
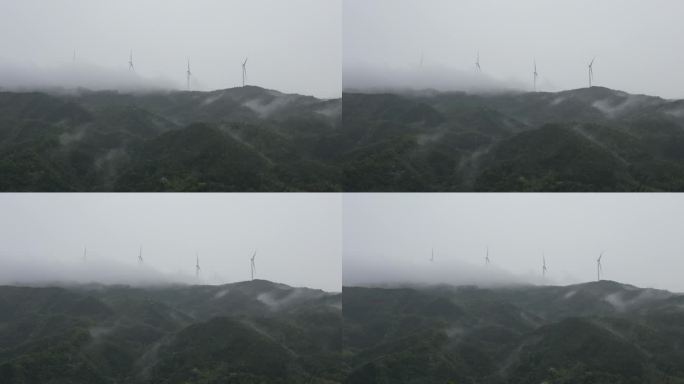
x,y
590,139
599,332
249,332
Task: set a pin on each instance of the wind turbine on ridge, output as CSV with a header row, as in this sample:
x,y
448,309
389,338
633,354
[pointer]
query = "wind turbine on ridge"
x,y
140,258
130,62
535,75
591,70
477,62
244,71
599,267
188,74
544,269
487,261
432,256
252,264
197,266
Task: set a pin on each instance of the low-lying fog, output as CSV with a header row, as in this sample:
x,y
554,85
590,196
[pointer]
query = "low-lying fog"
x,y
84,238
428,77
67,77
389,238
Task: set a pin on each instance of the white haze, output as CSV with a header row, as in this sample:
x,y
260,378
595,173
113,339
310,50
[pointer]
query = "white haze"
x,y
387,270
293,46
438,78
297,237
387,238
636,44
73,76
33,270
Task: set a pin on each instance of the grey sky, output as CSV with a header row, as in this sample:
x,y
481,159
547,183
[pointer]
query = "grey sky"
x,y
298,237
636,43
388,238
293,46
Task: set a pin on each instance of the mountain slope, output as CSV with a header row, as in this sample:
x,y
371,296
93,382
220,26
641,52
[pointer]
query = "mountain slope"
x,y
602,332
254,139
238,139
592,139
250,332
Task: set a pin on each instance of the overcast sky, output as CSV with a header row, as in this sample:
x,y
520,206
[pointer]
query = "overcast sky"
x,y
293,45
388,238
637,43
297,237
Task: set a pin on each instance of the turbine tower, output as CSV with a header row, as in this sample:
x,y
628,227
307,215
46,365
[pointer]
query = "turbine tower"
x,y
130,62
253,265
85,254
188,74
535,75
244,71
432,256
477,62
487,261
599,267
591,71
197,267
544,269
140,258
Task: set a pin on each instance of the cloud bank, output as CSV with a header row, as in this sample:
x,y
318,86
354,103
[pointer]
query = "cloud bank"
x,y
33,271
30,77
389,271
368,78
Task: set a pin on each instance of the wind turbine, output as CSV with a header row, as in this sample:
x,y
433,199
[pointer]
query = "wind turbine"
x,y
188,74
244,71
591,71
253,265
140,258
130,62
599,267
487,261
535,75
85,254
477,62
197,267
432,256
544,269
